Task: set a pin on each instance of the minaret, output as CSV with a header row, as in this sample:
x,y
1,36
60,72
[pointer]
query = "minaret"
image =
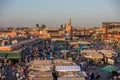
x,y
105,25
68,27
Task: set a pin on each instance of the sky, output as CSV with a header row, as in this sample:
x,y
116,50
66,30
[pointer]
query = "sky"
x,y
53,13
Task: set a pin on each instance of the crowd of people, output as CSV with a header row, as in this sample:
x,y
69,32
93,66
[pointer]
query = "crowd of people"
x,y
13,71
47,50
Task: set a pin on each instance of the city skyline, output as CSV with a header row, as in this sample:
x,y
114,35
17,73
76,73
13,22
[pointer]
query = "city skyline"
x,y
84,13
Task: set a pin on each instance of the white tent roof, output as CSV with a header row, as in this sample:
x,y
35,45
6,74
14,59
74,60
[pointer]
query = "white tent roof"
x,y
91,54
67,68
82,73
84,42
107,51
71,78
96,55
79,42
64,51
89,51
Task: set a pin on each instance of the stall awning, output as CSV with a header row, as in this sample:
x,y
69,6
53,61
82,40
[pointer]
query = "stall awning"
x,y
13,55
67,68
82,74
64,51
2,55
71,78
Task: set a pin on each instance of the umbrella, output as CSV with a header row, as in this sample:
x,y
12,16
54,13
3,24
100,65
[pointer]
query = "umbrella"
x,y
64,51
110,68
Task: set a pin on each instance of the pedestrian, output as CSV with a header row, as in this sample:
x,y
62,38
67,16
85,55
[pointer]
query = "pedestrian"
x,y
114,78
17,75
92,76
0,76
97,77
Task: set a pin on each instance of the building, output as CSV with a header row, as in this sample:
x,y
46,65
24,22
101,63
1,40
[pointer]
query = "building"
x,y
6,34
82,32
112,30
55,33
68,28
100,33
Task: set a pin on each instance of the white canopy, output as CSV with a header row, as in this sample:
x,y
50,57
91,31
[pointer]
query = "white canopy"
x,y
67,68
82,73
84,42
89,51
79,42
64,51
96,55
107,51
91,54
71,78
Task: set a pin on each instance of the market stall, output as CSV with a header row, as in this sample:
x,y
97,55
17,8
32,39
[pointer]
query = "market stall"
x,y
40,75
70,73
67,68
41,65
107,53
71,78
41,62
92,54
63,62
3,55
40,70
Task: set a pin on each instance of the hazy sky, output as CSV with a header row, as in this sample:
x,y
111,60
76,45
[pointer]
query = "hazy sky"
x,y
83,13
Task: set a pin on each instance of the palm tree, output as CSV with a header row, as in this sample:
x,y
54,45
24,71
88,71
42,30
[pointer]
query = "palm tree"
x,y
37,26
43,26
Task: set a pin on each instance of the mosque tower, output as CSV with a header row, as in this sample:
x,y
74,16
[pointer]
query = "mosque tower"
x,y
68,27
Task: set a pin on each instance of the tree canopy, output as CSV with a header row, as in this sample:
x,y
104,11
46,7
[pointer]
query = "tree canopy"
x,y
43,26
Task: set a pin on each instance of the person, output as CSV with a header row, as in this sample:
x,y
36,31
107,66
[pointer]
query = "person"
x,y
114,78
92,76
97,77
0,76
111,79
17,75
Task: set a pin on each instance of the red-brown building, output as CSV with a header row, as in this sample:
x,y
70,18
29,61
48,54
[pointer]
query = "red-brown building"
x,y
112,30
